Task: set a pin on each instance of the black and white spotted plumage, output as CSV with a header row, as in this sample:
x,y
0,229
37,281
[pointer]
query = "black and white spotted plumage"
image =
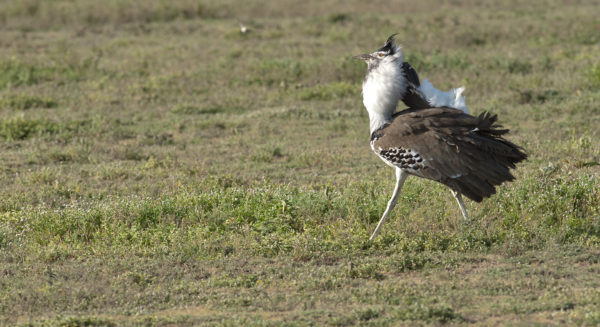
x,y
406,159
400,157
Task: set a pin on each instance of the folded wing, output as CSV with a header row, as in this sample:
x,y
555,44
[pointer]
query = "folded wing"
x,y
464,152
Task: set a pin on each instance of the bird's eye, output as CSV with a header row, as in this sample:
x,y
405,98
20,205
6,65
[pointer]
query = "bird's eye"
x,y
380,54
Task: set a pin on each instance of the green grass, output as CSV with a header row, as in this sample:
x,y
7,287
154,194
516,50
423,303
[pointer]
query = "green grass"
x,y
160,168
24,102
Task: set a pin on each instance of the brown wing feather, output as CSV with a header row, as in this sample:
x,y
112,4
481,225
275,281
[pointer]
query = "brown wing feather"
x,y
413,98
464,152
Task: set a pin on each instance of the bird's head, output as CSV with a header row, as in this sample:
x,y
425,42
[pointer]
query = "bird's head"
x,y
388,53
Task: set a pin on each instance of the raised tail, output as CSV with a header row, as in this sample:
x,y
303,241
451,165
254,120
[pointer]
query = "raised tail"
x,y
491,156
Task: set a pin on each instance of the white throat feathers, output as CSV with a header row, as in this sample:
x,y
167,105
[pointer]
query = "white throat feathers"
x,y
383,87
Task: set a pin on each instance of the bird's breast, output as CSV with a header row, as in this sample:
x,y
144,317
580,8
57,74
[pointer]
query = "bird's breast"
x,y
382,89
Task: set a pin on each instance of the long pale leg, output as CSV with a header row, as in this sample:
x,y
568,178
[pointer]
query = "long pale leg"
x,y
400,178
461,204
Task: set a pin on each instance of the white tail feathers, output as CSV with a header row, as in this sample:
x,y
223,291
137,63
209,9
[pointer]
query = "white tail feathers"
x,y
437,98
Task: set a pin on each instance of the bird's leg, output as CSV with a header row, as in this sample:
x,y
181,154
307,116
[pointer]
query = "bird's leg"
x,y
400,178
461,204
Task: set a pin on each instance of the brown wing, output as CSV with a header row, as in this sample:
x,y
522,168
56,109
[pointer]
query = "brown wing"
x,y
413,97
464,152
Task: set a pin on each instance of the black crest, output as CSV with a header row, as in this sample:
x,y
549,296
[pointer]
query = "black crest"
x,y
387,47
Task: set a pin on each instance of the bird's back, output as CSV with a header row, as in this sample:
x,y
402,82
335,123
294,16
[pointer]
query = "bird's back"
x,y
464,152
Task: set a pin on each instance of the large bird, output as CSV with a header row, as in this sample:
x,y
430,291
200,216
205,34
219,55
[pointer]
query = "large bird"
x,y
435,138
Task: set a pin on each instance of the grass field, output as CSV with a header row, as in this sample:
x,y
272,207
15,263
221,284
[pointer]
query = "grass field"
x,y
160,168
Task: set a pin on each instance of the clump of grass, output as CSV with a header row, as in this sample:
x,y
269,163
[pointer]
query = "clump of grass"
x,y
245,281
368,314
521,66
205,110
76,321
472,38
563,210
410,261
24,102
367,271
20,128
594,75
57,156
537,96
338,18
423,312
276,71
159,138
339,126
267,155
190,109
328,91
17,73
518,66
586,33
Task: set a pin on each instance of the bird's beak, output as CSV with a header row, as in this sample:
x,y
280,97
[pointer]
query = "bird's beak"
x,y
364,56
